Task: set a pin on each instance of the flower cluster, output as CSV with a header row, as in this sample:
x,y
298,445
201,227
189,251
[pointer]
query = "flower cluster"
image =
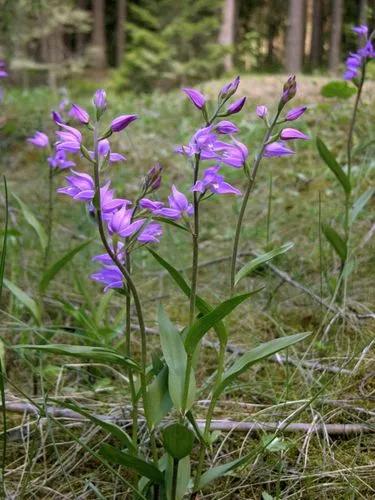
x,y
3,74
356,60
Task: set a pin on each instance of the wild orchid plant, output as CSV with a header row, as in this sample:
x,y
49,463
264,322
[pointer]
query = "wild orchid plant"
x,y
356,65
166,385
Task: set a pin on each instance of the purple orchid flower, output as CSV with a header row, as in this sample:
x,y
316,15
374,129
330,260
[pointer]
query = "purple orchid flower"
x,y
356,60
121,223
105,258
80,187
59,160
39,140
196,97
110,276
3,73
56,117
234,155
122,122
226,127
289,134
236,106
104,149
295,113
79,114
151,205
179,206
214,182
276,149
262,111
361,30
151,234
69,139
108,203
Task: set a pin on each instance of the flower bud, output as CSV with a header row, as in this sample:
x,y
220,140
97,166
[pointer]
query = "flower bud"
x,y
226,127
236,106
262,111
56,117
196,97
229,89
152,179
295,113
100,100
79,114
289,134
122,122
289,90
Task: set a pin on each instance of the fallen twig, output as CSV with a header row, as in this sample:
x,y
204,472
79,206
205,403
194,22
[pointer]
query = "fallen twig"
x,y
218,425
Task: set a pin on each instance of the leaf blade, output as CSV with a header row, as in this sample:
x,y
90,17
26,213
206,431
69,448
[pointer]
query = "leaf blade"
x,y
335,240
333,165
33,222
25,299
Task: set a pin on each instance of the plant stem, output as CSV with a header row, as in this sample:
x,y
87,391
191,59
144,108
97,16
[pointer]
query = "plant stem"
x,y
133,392
49,218
210,412
349,147
128,279
249,188
174,479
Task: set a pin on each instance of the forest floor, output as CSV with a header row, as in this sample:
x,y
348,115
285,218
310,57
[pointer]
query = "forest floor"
x,y
333,371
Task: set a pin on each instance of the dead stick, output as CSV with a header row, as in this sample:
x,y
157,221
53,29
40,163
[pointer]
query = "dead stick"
x,y
219,425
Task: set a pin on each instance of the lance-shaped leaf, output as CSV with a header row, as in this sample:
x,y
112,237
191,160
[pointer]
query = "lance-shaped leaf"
x,y
176,360
258,261
114,430
201,304
202,325
51,272
98,354
159,398
335,240
144,468
221,470
33,222
257,354
360,203
332,164
25,299
338,88
183,476
5,237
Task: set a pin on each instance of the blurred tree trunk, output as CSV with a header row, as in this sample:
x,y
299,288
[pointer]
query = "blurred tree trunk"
x,y
120,31
336,32
227,30
98,34
80,38
295,36
316,35
363,12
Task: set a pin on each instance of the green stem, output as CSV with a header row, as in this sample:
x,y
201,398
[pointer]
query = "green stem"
x,y
210,412
49,218
133,392
174,479
245,200
348,198
128,279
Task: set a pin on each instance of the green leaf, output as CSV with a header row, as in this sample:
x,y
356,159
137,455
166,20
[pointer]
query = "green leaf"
x,y
33,222
360,203
338,88
202,325
201,304
171,223
257,354
178,440
335,241
144,468
258,261
332,164
221,470
114,430
183,477
159,398
51,272
25,299
176,359
98,354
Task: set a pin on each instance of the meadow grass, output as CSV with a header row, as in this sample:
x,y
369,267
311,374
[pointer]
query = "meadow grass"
x,y
44,459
